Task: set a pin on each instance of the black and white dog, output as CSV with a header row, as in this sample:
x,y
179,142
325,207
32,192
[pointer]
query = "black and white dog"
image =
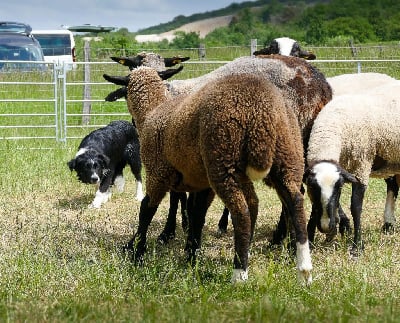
x,y
103,154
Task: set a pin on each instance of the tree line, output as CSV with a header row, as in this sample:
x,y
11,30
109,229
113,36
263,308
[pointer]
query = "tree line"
x,y
334,22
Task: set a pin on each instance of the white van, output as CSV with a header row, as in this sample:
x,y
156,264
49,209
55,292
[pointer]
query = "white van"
x,y
58,46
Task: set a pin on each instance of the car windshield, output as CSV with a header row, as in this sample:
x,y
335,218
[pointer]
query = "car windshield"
x,y
56,44
15,52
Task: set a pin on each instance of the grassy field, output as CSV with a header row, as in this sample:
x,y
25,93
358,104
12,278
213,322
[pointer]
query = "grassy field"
x,y
62,262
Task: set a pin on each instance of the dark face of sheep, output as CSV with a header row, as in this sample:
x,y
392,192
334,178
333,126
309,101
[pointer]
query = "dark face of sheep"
x,y
285,46
324,185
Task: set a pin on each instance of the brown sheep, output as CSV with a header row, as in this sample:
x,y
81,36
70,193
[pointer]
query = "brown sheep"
x,y
304,90
220,138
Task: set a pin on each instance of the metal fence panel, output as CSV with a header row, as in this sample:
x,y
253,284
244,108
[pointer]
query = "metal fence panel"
x,y
59,104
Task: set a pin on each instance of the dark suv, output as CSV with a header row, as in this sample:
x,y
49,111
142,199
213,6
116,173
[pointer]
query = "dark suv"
x,y
17,44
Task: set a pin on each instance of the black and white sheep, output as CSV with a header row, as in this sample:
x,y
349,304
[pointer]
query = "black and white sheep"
x,y
220,138
303,88
285,46
353,138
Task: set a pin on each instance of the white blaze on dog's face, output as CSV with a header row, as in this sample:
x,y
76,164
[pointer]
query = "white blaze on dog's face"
x,y
89,166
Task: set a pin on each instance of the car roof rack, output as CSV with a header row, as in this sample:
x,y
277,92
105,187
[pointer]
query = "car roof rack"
x,y
15,27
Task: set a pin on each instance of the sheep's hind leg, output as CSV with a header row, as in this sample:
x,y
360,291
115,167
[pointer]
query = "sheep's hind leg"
x,y
242,203
293,201
197,206
169,229
392,190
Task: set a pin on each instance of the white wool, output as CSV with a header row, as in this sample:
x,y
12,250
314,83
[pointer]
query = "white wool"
x,y
353,129
354,83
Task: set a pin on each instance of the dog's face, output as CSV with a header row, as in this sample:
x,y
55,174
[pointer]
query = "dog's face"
x,y
90,166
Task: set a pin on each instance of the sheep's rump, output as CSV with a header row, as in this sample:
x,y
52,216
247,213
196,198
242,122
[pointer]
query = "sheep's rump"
x,y
226,127
304,88
354,83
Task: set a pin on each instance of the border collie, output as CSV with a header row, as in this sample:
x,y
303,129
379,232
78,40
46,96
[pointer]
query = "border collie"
x,y
103,154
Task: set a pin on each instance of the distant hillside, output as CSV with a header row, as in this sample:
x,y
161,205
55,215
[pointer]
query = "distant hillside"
x,y
181,20
202,27
230,10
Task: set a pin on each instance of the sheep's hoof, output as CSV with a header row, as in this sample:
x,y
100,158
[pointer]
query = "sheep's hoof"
x,y
132,247
165,237
388,228
239,276
356,250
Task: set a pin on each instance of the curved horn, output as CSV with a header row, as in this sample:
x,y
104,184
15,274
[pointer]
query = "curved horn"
x,y
169,72
118,80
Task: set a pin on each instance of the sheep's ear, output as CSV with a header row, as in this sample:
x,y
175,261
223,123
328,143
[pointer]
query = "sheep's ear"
x,y
169,72
172,61
307,55
131,62
118,80
264,51
122,92
348,178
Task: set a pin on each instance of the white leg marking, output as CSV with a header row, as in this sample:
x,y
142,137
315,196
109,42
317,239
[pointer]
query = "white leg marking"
x,y
304,265
99,199
388,214
239,275
139,191
119,183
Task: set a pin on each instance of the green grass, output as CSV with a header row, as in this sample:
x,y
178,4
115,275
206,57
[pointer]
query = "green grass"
x,y
61,261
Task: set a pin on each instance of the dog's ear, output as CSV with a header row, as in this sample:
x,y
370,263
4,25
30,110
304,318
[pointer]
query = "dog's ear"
x,y
71,164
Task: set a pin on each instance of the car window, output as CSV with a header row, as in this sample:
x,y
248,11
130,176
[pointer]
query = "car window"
x,y
53,45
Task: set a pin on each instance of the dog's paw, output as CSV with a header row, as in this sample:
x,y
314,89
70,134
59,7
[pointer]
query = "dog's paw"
x,y
100,199
94,205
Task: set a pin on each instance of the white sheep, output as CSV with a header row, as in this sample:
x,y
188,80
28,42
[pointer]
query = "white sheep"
x,y
354,137
359,83
220,138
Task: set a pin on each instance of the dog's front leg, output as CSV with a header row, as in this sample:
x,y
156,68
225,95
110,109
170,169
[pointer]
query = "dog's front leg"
x,y
103,194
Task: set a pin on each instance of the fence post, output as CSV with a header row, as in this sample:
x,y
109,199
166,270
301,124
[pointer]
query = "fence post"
x,y
253,46
87,106
202,52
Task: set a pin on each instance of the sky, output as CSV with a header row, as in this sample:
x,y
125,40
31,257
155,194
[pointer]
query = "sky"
x,y
131,14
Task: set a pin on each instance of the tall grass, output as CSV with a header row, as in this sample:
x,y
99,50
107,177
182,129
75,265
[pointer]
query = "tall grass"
x,y
61,261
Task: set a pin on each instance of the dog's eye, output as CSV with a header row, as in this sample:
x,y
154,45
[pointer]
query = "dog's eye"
x,y
95,165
